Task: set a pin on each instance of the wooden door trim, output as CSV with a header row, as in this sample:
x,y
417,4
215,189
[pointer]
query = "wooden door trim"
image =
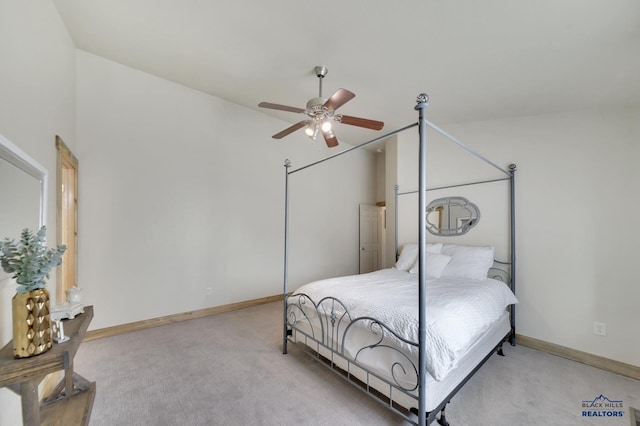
x,y
66,160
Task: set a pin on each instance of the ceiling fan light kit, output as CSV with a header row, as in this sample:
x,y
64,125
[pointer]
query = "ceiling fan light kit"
x,y
321,114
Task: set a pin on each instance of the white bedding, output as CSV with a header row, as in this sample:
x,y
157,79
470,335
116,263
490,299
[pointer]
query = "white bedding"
x,y
458,310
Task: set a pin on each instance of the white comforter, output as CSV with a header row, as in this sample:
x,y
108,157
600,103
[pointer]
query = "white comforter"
x,y
458,310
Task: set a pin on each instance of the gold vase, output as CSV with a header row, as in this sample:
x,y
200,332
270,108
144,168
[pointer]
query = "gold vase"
x,y
31,323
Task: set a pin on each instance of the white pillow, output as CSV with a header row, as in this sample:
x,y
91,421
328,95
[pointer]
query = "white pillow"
x,y
433,248
435,265
409,254
468,261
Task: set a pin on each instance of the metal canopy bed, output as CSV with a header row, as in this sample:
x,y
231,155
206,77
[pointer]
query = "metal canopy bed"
x,y
342,336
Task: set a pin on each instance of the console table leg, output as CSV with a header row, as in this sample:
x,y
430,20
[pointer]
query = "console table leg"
x,y
30,403
68,379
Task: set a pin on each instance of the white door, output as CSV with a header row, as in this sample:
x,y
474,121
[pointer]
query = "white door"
x,y
371,238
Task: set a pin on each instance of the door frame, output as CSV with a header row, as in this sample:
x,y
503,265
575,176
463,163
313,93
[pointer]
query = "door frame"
x,y
66,218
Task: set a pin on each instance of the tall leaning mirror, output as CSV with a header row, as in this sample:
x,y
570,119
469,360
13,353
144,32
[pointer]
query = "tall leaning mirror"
x,y
23,195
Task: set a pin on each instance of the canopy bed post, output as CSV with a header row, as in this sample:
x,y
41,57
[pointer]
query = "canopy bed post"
x,y
512,198
422,105
395,220
287,165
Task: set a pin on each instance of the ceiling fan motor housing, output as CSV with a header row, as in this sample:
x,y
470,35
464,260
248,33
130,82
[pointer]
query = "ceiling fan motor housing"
x,y
315,107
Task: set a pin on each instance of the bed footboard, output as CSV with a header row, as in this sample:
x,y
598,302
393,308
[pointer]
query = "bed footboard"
x,y
382,362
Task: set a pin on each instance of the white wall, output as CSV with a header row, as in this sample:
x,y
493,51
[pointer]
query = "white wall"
x,y
181,192
575,236
380,177
37,87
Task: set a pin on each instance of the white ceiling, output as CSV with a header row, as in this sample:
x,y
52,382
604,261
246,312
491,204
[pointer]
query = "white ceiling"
x,y
477,60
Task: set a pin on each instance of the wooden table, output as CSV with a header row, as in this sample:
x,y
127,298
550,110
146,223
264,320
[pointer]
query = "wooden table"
x,y
72,400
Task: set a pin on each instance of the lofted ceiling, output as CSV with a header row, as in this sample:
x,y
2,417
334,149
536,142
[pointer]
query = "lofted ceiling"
x,y
477,60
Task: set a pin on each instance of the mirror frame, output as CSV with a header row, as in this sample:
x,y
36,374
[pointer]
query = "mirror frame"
x,y
439,204
14,155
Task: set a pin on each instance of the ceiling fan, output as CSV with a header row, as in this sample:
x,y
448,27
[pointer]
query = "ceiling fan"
x,y
321,113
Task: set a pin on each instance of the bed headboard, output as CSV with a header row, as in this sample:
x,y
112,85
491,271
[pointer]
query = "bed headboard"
x,y
500,271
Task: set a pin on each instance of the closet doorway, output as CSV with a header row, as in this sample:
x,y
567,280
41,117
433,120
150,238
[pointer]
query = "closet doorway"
x,y
372,225
67,218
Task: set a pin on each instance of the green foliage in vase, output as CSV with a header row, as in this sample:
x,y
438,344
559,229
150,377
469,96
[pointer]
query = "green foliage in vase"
x,y
29,260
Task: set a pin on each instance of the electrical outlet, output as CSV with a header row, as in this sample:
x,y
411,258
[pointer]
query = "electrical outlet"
x,y
209,291
600,328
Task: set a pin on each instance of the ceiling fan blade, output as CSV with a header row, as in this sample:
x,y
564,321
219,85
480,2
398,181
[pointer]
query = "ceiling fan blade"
x,y
330,139
279,107
341,97
291,129
360,122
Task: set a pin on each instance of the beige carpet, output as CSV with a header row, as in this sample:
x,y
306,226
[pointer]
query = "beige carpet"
x,y
228,369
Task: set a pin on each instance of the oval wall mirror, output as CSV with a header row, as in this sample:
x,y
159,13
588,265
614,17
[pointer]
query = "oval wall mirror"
x,y
450,216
